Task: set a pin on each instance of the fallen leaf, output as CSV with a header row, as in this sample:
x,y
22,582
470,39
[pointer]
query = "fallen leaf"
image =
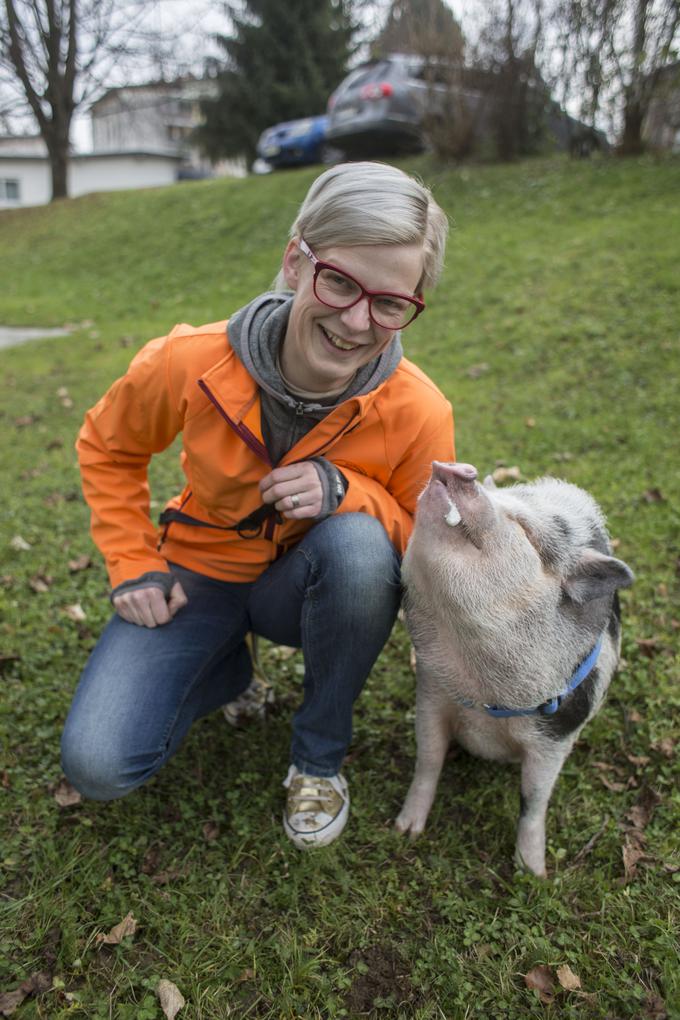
x,y
170,998
24,420
662,590
211,831
40,583
615,542
649,646
128,926
641,812
66,402
633,852
474,371
665,746
62,392
567,979
638,759
530,423
503,474
38,983
55,444
66,795
20,544
564,455
612,785
5,780
80,563
246,975
634,716
652,496
541,980
75,612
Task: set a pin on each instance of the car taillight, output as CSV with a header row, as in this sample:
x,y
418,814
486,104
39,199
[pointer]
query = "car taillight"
x,y
377,90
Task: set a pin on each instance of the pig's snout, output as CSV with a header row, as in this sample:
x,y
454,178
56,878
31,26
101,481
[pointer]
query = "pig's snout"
x,y
453,474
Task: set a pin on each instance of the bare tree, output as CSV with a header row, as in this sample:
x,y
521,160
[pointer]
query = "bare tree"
x,y
55,56
614,52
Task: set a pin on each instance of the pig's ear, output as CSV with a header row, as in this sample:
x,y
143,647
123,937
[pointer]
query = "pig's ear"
x,y
595,576
489,483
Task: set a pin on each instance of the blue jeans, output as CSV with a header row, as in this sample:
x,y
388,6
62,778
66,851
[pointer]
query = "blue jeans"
x,y
335,595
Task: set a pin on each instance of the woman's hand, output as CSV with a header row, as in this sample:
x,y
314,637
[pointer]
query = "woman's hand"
x,y
147,607
295,490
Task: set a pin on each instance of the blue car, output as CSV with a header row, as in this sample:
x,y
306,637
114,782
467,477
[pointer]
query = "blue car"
x,y
294,143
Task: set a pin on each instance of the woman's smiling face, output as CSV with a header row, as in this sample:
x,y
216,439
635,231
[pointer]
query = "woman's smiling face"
x,y
325,347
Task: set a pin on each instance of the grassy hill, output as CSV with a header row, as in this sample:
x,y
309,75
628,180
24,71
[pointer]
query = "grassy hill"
x,y
555,334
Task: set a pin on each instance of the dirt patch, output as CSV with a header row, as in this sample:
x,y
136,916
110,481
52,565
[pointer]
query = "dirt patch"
x,y
381,977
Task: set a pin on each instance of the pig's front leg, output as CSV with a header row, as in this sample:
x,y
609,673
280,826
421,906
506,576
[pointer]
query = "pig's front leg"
x,y
432,736
539,773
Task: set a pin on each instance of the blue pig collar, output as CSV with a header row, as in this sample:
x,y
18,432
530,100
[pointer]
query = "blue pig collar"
x,y
550,706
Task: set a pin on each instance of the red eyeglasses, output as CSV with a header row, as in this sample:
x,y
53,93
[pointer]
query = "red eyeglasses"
x,y
337,289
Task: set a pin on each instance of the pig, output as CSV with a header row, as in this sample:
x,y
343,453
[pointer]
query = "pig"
x,y
511,601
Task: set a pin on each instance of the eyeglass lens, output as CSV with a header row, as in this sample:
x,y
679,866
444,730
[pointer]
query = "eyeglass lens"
x,y
339,291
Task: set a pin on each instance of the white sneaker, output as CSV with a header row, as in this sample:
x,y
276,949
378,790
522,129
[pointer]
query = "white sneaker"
x,y
316,809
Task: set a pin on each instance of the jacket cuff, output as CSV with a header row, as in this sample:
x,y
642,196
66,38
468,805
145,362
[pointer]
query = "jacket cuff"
x,y
334,485
152,579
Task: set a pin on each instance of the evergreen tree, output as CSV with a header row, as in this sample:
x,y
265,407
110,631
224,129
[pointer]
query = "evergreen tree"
x,y
283,62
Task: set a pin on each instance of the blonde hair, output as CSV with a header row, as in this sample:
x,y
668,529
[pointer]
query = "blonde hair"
x,y
373,203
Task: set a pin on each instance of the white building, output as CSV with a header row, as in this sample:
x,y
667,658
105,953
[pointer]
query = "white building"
x,y
141,139
25,177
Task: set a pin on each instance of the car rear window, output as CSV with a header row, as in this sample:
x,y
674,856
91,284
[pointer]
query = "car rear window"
x,y
364,75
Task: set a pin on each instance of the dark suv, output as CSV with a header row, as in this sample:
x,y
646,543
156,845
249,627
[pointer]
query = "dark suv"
x,y
379,107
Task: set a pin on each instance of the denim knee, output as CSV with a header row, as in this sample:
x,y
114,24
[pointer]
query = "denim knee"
x,y
94,773
356,546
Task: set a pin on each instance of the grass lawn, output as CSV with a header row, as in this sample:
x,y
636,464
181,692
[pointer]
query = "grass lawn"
x,y
555,333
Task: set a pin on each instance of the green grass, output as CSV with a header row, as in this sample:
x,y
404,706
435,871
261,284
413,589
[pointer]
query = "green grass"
x,y
561,283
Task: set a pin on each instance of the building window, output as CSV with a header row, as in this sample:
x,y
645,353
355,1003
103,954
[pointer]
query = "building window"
x,y
9,189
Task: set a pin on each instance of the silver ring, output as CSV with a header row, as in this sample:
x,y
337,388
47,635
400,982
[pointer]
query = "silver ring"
x,y
295,500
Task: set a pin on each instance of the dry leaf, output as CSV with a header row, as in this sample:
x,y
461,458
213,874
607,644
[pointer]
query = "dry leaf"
x,y
19,544
665,746
474,371
662,590
80,563
633,852
615,542
128,926
55,444
652,496
641,813
35,985
503,474
40,583
75,612
62,392
170,998
568,980
612,785
211,831
634,716
530,423
246,975
66,402
66,795
649,646
638,759
541,979
24,420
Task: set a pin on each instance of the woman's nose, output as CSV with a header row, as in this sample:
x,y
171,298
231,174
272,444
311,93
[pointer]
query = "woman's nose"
x,y
357,317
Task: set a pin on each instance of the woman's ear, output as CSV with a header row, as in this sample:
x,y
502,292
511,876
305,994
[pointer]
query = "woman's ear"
x,y
291,265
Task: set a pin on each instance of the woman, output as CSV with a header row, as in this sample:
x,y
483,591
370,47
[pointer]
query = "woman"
x,y
307,437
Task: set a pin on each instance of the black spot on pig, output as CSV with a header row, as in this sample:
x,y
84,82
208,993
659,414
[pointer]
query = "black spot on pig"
x,y
573,711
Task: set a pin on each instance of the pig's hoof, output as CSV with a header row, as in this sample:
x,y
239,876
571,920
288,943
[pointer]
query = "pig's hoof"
x,y
408,826
536,867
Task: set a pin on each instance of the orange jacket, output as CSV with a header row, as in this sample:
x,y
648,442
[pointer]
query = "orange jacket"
x,y
192,382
